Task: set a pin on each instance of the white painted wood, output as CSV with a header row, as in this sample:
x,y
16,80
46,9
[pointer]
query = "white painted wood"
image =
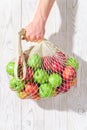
x,y
77,117
10,105
66,27
48,117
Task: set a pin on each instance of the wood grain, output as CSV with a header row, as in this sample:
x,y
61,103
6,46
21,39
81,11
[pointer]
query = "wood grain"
x,y
68,19
10,105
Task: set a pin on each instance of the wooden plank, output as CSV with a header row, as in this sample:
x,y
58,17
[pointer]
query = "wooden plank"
x,y
32,115
59,38
68,28
10,106
76,40
45,114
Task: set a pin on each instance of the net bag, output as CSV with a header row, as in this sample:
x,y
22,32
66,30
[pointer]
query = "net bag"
x,y
42,71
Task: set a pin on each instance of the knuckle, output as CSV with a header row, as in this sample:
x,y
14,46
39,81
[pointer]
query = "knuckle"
x,y
32,38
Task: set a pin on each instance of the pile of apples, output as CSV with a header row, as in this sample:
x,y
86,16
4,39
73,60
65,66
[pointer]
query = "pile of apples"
x,y
45,76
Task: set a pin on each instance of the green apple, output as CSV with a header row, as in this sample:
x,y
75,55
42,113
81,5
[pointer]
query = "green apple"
x,y
45,90
55,80
34,61
10,68
72,62
16,85
41,76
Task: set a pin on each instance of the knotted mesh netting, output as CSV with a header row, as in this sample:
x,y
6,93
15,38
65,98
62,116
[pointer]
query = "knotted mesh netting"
x,y
49,72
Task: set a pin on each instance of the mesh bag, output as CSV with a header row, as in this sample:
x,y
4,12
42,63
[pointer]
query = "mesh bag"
x,y
42,71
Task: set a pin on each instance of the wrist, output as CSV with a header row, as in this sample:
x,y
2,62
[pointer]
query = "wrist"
x,y
40,17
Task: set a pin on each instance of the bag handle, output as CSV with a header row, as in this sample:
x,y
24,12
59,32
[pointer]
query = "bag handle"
x,y
20,56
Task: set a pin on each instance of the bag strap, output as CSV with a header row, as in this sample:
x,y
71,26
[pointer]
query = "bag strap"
x,y
20,56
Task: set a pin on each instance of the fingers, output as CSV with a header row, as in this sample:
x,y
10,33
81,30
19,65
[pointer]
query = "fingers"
x,y
34,32
33,38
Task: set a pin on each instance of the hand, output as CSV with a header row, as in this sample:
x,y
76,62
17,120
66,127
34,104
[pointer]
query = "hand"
x,y
35,31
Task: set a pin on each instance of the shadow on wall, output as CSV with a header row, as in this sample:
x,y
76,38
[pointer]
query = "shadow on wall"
x,y
76,98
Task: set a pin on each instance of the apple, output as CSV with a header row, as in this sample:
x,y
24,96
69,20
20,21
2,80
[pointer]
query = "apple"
x,y
34,61
63,88
55,80
45,90
56,66
55,92
66,85
73,82
69,73
20,71
29,74
16,85
36,97
22,94
41,76
47,62
61,56
72,62
31,89
10,68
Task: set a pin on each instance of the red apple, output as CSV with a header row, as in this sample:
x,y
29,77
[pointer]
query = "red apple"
x,y
20,70
29,74
31,89
63,88
73,82
61,56
66,85
69,73
36,97
56,66
46,62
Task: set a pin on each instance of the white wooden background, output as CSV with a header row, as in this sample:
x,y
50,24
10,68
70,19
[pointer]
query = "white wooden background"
x,y
67,27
